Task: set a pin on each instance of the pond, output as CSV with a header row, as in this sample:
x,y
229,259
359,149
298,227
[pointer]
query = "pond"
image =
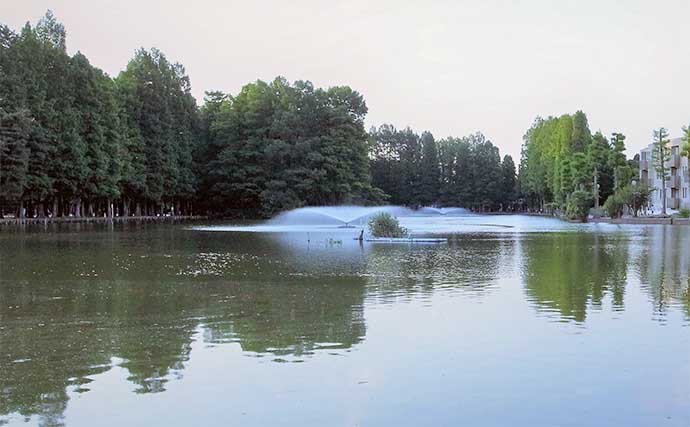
x,y
516,320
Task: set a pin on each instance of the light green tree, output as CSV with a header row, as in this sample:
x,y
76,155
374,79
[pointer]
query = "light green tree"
x,y
686,138
660,155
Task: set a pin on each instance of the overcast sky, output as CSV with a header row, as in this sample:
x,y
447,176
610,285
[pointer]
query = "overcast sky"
x,y
450,67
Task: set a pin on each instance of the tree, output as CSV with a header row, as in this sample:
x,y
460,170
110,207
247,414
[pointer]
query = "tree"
x,y
661,154
429,174
14,154
617,161
278,145
597,158
578,205
509,179
581,172
162,116
636,196
686,138
581,136
487,173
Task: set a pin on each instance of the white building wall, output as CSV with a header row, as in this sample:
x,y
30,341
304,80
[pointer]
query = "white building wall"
x,y
647,172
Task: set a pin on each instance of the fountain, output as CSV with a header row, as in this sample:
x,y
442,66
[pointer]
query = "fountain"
x,y
425,224
430,210
341,216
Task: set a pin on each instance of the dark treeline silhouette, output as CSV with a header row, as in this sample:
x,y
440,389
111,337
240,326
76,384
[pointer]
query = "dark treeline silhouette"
x,y
76,142
417,170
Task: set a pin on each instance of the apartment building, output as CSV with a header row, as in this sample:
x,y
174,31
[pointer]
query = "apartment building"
x,y
677,186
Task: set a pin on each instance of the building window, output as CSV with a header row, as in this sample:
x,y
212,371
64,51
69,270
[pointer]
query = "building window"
x,y
685,192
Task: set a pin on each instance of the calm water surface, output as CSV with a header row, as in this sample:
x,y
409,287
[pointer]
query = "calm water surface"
x,y
515,321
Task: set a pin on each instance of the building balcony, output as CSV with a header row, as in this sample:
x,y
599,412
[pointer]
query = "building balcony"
x,y
674,161
673,182
644,165
672,202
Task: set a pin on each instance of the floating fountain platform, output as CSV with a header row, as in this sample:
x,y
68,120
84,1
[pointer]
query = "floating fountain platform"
x,y
404,239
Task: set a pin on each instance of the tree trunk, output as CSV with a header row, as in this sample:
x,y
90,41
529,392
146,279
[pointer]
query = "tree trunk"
x,y
22,210
109,208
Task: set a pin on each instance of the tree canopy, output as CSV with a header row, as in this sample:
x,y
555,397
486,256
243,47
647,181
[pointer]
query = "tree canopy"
x,y
561,156
75,141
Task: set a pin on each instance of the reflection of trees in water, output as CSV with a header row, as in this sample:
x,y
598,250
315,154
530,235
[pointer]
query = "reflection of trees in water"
x,y
292,317
50,345
66,315
572,272
469,264
664,267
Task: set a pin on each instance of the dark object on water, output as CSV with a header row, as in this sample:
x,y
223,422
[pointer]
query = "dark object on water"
x,y
361,235
405,239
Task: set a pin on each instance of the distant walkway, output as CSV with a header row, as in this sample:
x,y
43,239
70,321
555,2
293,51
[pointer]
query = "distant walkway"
x,y
98,219
643,220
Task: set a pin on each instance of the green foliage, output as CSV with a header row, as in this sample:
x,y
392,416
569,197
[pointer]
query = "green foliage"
x,y
80,140
560,156
73,138
74,141
14,154
578,206
614,205
636,196
418,171
581,136
661,154
598,156
508,180
278,145
685,151
617,162
163,114
384,224
546,168
581,174
684,213
429,174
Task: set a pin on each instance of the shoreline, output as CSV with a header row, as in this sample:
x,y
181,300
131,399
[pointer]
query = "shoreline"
x,y
11,222
642,221
102,220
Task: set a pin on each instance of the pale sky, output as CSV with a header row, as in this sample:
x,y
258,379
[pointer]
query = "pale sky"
x,y
450,67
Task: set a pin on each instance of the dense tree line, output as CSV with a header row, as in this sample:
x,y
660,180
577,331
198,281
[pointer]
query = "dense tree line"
x,y
416,170
74,141
278,146
563,162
